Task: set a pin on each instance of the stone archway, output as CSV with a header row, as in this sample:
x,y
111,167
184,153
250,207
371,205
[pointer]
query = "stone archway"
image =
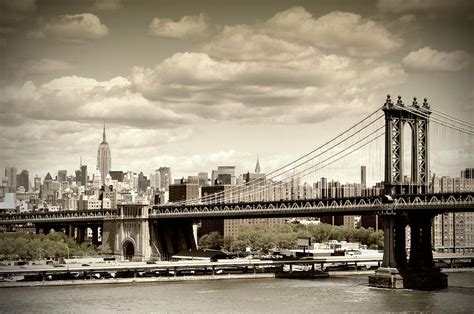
x,y
128,250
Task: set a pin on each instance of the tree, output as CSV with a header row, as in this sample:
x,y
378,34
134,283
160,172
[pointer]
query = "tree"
x,y
212,240
104,249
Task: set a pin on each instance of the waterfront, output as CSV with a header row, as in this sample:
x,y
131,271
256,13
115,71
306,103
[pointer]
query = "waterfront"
x,y
336,294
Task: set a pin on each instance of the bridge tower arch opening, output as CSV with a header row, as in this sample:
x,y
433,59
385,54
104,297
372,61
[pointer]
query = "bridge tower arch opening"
x,y
407,149
128,250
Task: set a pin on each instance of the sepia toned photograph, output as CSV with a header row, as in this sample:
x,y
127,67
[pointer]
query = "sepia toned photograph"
x,y
236,156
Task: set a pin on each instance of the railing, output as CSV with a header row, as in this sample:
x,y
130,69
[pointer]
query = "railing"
x,y
351,206
59,216
446,202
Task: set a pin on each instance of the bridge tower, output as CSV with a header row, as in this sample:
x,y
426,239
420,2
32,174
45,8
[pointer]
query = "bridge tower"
x,y
396,271
397,118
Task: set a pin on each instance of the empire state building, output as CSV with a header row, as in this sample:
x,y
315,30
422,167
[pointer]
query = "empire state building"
x,y
104,160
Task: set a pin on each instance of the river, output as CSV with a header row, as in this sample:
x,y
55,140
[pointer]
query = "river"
x,y
335,294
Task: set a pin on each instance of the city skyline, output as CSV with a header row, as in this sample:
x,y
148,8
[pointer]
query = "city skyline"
x,y
185,99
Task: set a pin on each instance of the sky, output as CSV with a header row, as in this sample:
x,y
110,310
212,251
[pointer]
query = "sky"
x,y
197,84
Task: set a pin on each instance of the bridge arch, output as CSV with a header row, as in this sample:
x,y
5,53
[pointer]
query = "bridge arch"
x,y
128,249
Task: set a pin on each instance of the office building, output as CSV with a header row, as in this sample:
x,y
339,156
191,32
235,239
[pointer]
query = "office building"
x,y
62,175
183,191
165,177
11,175
104,158
24,180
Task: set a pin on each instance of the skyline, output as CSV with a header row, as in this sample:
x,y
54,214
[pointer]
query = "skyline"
x,y
193,86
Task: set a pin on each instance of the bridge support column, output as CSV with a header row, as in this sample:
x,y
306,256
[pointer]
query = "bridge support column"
x,y
388,275
81,234
68,230
95,235
129,235
419,272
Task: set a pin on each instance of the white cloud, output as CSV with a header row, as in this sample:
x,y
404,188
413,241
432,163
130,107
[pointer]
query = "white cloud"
x,y
279,91
188,27
429,59
73,98
58,145
242,42
77,28
343,31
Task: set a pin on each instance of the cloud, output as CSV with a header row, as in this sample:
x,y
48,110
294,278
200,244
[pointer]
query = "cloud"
x,y
58,145
188,27
73,98
343,31
278,91
242,42
429,59
107,4
77,28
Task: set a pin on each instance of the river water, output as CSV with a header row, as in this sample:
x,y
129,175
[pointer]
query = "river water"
x,y
335,294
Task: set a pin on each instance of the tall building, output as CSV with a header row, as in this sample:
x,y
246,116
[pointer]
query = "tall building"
x,y
24,180
37,183
165,175
83,175
10,174
324,187
453,232
143,182
117,175
155,180
257,166
468,173
223,175
62,176
363,176
183,191
202,178
104,159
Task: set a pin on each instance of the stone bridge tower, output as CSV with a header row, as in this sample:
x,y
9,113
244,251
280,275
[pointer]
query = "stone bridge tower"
x,y
129,235
397,118
397,272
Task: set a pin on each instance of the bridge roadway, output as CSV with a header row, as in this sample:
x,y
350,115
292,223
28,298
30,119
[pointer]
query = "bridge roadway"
x,y
436,203
194,265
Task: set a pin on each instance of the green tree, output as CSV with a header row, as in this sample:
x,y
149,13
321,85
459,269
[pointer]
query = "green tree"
x,y
212,240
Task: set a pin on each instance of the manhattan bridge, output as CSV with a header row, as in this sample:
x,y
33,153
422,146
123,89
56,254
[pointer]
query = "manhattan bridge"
x,y
403,146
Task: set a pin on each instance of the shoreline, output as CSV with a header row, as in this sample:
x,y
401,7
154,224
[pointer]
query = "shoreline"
x,y
141,280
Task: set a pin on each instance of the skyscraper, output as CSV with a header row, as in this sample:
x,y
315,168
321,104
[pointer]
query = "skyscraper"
x,y
104,159
24,180
62,176
10,173
165,175
257,166
83,175
363,176
37,184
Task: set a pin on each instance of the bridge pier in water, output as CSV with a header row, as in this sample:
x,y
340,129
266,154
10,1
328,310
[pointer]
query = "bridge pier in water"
x,y
419,271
